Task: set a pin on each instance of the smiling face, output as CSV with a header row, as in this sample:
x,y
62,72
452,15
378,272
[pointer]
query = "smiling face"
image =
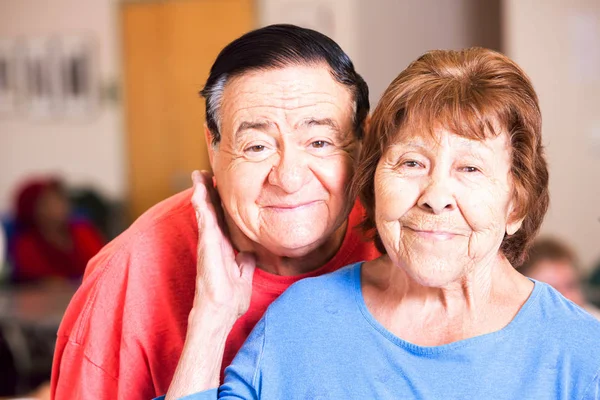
x,y
285,157
443,204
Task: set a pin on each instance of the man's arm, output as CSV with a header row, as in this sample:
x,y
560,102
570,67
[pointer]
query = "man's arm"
x,y
75,377
223,290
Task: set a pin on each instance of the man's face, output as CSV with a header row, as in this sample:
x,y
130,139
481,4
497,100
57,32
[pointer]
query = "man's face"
x,y
285,157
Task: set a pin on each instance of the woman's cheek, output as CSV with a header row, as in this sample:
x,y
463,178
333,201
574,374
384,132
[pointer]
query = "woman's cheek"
x,y
482,209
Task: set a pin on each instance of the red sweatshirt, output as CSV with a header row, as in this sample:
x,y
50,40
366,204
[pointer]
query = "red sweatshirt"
x,y
124,330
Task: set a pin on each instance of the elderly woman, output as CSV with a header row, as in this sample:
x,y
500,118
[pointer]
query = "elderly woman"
x,y
455,184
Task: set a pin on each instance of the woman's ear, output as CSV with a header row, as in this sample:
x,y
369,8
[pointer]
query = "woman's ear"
x,y
513,227
513,223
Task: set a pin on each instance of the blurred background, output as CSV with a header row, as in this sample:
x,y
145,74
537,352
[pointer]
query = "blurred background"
x,y
100,118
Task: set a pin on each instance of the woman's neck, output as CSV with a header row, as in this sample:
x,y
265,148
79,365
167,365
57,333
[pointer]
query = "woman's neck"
x,y
485,300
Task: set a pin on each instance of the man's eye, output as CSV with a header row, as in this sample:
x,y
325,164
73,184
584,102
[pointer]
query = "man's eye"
x,y
470,169
256,148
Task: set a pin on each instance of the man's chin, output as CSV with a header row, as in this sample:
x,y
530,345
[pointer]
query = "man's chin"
x,y
295,249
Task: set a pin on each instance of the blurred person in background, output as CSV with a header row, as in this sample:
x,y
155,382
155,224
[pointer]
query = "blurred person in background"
x,y
552,261
285,112
3,257
47,242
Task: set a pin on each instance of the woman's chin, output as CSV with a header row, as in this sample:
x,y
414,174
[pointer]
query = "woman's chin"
x,y
439,276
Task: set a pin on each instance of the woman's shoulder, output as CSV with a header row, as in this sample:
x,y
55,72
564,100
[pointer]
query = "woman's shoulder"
x,y
312,295
338,281
554,307
565,322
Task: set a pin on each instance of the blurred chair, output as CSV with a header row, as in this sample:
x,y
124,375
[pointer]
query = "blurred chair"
x,y
107,216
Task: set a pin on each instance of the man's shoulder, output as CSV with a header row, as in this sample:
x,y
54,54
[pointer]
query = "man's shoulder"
x,y
164,231
172,215
148,269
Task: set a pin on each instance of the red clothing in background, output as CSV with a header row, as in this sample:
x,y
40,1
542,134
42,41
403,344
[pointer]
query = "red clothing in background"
x,y
34,255
124,330
35,258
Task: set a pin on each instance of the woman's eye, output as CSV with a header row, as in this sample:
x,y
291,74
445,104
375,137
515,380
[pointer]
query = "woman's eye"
x,y
470,169
411,164
319,144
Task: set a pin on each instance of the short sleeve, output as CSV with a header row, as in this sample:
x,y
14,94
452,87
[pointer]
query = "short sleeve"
x,y
242,377
593,390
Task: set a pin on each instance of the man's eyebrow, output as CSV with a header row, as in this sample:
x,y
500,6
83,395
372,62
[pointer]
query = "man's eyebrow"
x,y
321,122
257,125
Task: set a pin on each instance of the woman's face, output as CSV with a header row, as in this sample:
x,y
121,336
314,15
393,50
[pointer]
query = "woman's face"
x,y
443,204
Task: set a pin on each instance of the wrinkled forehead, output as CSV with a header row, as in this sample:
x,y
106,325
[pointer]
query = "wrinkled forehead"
x,y
301,82
440,135
286,98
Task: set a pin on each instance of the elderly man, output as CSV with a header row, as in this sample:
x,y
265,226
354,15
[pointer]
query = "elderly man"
x,y
285,111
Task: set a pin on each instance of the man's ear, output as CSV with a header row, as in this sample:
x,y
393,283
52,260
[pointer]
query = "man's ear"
x,y
208,136
359,143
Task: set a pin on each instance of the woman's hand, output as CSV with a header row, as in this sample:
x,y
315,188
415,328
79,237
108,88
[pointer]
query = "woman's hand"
x,y
223,290
223,280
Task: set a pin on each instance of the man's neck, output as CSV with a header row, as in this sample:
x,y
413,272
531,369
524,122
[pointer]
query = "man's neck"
x,y
313,259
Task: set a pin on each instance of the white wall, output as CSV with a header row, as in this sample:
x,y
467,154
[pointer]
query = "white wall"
x,y
393,33
90,150
383,36
558,44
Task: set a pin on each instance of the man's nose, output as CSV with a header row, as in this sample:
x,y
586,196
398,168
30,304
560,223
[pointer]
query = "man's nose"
x,y
290,172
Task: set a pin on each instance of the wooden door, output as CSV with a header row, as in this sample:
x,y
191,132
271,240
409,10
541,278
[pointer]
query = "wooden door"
x,y
168,48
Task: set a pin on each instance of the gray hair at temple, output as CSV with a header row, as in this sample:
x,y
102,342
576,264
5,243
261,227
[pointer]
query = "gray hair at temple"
x,y
279,46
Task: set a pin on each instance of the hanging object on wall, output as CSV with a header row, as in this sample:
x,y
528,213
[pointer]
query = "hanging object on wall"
x,y
7,77
79,84
48,77
38,79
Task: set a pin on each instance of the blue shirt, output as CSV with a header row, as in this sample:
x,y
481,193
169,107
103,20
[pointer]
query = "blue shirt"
x,y
319,341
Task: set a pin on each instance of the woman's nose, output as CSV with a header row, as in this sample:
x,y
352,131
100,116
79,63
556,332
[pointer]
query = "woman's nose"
x,y
437,196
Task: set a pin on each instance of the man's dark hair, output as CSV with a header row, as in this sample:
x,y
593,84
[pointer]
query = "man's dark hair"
x,y
279,46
